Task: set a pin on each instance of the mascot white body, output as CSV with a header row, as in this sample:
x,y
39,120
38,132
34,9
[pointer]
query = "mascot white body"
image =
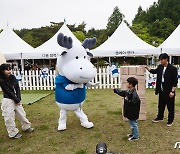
x,y
75,71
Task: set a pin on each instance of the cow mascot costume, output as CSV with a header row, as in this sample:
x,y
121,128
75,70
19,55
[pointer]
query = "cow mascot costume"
x,y
75,72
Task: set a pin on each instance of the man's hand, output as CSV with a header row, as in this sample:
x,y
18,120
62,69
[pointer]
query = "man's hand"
x,y
171,95
74,86
146,67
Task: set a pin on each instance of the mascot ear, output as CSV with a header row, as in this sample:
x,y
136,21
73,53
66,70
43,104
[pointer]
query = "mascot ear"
x,y
64,41
88,43
63,53
89,54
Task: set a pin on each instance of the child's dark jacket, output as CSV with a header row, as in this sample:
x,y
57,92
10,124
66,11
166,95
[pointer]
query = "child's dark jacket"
x,y
131,103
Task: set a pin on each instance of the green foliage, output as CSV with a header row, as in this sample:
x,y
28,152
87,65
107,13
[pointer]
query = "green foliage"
x,y
80,35
37,36
162,28
143,33
101,35
161,18
101,62
114,21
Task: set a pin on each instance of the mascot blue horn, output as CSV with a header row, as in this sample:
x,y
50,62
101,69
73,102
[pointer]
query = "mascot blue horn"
x,y
75,72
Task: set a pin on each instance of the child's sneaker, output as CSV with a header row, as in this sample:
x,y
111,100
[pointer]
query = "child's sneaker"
x,y
29,130
17,136
129,135
133,139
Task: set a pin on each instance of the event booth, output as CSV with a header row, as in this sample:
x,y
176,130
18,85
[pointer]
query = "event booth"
x,y
13,47
171,45
124,42
50,49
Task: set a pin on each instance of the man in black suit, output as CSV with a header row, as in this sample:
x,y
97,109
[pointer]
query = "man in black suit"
x,y
165,86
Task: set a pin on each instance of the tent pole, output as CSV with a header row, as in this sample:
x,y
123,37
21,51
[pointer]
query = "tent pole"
x,y
22,64
161,50
147,61
170,59
110,61
153,60
97,62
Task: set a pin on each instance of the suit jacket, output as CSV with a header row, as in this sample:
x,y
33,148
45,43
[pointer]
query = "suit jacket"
x,y
170,78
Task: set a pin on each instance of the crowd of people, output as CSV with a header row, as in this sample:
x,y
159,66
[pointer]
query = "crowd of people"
x,y
28,66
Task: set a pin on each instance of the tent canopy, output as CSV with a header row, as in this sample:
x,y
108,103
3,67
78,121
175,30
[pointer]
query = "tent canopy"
x,y
12,45
172,45
50,49
124,42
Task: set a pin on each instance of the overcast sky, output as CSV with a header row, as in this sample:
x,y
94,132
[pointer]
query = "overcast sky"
x,y
36,13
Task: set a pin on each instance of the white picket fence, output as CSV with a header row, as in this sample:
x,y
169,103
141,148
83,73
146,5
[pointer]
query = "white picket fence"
x,y
34,80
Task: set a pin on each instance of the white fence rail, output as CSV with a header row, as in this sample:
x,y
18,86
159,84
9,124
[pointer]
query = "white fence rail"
x,y
36,80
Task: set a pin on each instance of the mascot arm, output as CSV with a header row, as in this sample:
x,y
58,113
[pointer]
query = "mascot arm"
x,y
74,86
90,84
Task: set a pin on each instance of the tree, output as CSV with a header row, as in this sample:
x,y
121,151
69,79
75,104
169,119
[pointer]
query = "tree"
x,y
80,35
162,28
143,33
161,18
33,41
114,21
81,27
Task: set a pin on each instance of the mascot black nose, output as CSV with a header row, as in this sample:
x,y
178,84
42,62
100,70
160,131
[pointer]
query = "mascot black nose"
x,y
81,68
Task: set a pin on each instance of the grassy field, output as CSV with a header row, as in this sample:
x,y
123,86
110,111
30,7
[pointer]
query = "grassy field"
x,y
104,110
31,97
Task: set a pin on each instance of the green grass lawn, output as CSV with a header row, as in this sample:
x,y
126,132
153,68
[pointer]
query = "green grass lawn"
x,y
31,96
104,110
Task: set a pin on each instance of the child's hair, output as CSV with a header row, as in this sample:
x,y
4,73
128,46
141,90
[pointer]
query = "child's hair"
x,y
133,81
4,67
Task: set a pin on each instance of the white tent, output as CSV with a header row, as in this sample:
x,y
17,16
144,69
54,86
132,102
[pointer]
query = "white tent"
x,y
2,58
12,45
50,49
124,42
172,44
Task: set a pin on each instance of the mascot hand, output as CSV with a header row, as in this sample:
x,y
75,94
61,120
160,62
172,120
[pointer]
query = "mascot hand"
x,y
70,87
80,85
90,84
74,86
96,84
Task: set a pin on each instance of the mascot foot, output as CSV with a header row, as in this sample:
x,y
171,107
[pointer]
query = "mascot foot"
x,y
87,124
61,127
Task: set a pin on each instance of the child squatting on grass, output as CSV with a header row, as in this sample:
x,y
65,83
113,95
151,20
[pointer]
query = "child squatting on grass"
x,y
131,106
11,103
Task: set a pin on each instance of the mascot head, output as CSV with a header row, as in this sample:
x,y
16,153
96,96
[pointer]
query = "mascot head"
x,y
73,62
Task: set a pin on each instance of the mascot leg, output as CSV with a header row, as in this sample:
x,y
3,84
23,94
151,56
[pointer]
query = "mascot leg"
x,y
83,118
62,120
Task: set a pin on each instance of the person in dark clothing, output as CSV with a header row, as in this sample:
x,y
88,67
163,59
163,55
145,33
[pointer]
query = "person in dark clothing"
x,y
165,86
131,106
11,103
